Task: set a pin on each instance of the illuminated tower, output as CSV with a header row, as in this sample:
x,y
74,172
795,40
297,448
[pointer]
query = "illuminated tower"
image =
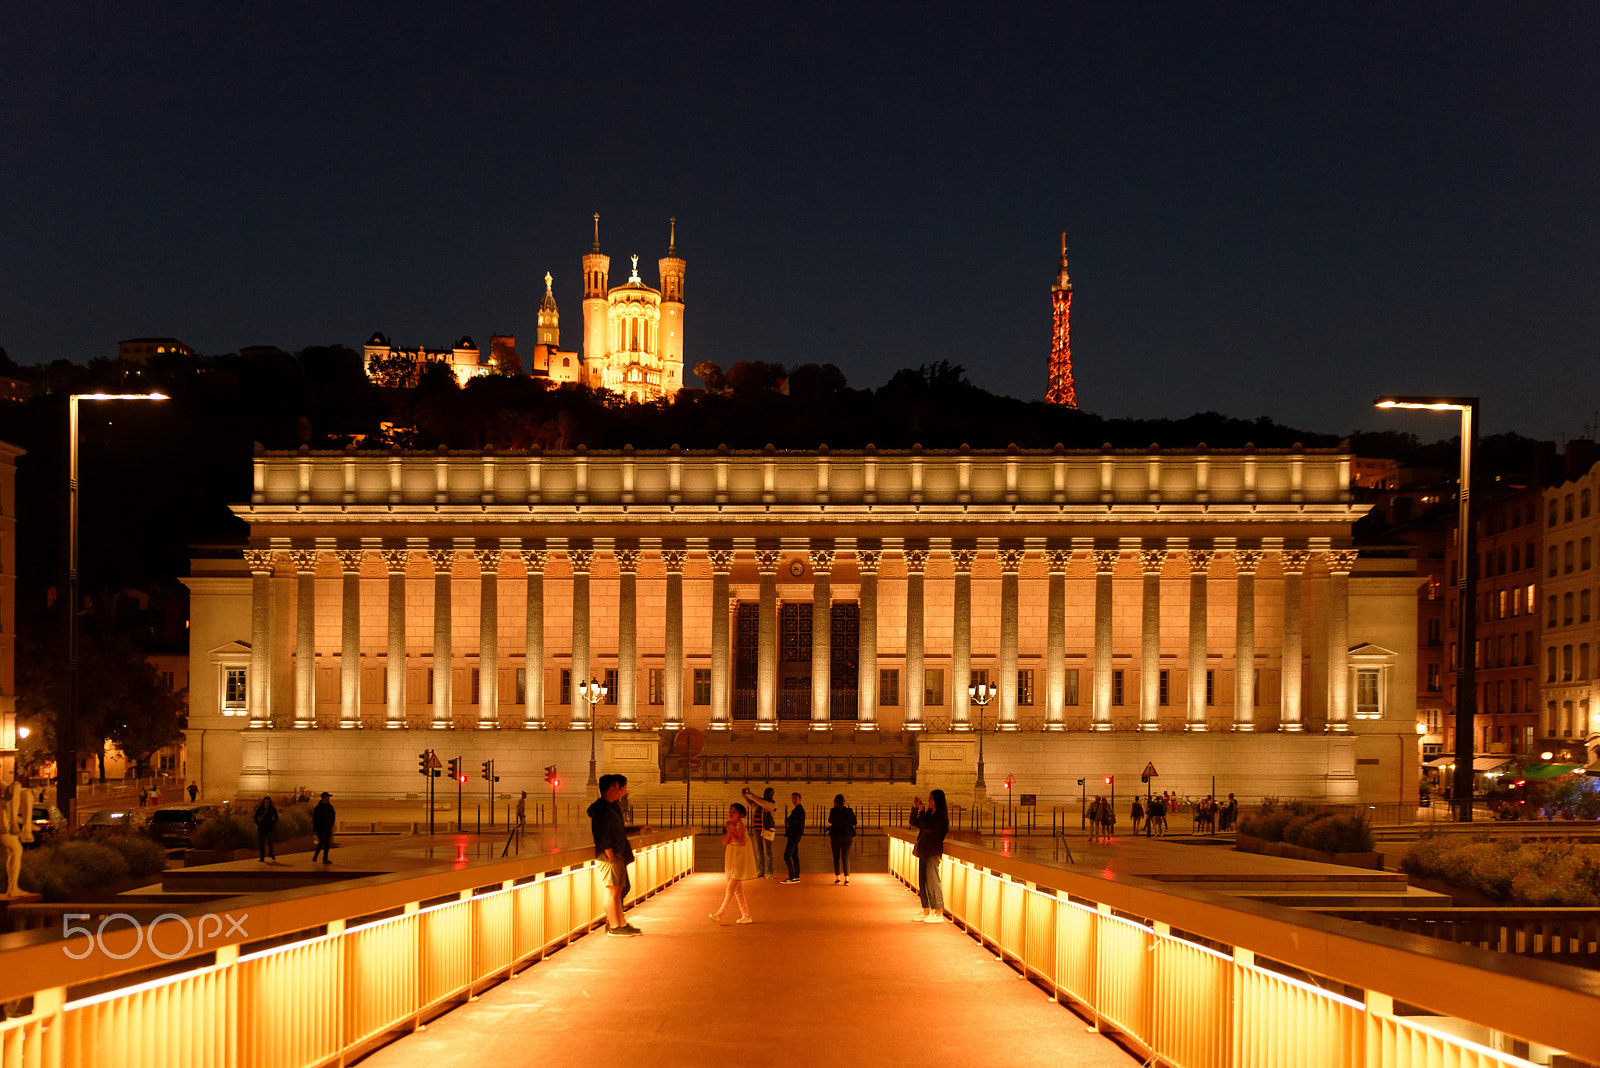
x,y
549,317
596,272
672,315
1061,390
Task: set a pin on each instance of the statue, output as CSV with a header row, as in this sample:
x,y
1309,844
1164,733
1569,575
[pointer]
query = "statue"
x,y
16,827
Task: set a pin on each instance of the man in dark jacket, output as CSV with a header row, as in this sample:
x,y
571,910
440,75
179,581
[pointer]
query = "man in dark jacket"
x,y
322,820
612,851
794,825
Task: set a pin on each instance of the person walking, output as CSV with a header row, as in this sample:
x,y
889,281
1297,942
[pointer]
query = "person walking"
x,y
322,820
794,826
522,812
1136,813
194,792
763,831
612,851
738,864
266,817
932,824
1157,816
841,833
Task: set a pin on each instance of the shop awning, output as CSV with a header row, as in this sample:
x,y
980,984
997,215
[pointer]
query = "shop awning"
x,y
1547,771
1439,762
1479,763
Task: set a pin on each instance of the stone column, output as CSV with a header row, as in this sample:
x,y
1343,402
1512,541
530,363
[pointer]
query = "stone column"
x,y
767,641
1199,565
260,563
1151,561
721,683
1340,561
961,640
349,638
1294,565
444,561
533,561
305,637
1105,563
488,639
1010,565
1055,641
821,635
580,558
627,638
394,661
867,680
1244,640
672,671
915,683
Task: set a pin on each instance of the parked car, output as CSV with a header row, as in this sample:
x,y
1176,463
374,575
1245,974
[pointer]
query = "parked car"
x,y
113,821
47,823
174,827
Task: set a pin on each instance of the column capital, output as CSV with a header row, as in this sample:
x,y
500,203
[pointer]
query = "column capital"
x,y
1057,560
1011,558
349,559
721,560
821,557
580,559
488,560
627,559
1247,560
1294,560
444,560
533,559
964,559
304,560
1340,561
1105,560
867,560
916,559
395,560
674,559
1151,561
259,561
767,560
1199,560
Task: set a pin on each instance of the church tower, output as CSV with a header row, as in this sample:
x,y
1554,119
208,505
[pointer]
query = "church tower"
x,y
549,316
1061,390
671,315
596,276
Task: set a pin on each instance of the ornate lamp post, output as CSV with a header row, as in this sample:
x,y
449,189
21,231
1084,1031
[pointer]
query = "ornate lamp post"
x,y
981,694
1466,576
594,692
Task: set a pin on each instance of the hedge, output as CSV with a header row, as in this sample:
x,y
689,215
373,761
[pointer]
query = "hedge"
x,y
1308,826
1535,874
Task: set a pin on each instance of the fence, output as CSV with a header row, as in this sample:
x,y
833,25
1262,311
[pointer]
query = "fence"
x,y
1570,935
1199,980
319,977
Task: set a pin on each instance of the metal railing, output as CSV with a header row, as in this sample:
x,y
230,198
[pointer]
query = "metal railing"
x,y
1202,980
302,977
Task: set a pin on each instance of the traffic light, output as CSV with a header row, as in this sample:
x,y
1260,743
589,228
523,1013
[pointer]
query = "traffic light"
x,y
1080,782
488,772
1110,779
422,761
455,768
551,777
1144,778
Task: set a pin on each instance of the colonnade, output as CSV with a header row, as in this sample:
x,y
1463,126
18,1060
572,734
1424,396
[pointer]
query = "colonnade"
x,y
821,555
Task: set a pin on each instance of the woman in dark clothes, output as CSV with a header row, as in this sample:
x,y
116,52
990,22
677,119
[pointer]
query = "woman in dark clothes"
x,y
932,824
841,832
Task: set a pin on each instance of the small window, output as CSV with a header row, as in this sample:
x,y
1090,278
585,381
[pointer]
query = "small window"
x,y
1211,687
566,686
1550,664
475,684
933,687
1584,601
1164,687
1553,512
1367,693
1567,558
1025,687
1584,559
235,689
1116,687
889,686
1070,689
610,683
1567,511
430,686
1566,663
1255,687
1435,632
702,686
1583,505
1566,609
1434,678
658,685
522,686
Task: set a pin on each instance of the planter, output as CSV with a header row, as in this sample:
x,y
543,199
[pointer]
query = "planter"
x,y
1244,843
195,858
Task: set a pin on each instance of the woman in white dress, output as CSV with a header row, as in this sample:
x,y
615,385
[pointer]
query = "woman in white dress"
x,y
738,861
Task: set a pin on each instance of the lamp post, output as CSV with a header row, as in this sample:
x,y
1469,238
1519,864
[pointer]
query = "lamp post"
x,y
594,692
67,728
981,693
1466,580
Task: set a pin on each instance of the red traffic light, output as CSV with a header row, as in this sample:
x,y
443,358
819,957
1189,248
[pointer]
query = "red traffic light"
x,y
1110,779
461,778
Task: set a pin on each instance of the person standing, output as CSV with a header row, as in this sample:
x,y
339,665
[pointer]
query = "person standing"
x,y
266,817
738,863
612,851
1137,814
794,826
522,812
932,824
322,820
763,831
841,832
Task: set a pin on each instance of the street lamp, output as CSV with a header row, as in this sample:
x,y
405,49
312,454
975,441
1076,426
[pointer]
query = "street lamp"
x,y
67,729
981,693
1466,574
594,692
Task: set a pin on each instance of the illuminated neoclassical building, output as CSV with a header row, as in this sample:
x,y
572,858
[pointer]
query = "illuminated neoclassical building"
x,y
1203,611
633,334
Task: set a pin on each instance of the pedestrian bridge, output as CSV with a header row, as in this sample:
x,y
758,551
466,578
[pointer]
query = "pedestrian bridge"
x,y
492,961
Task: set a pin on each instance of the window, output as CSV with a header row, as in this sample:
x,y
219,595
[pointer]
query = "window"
x,y
1584,560
980,676
1514,654
1567,511
1435,630
1255,687
235,690
1116,687
475,685
610,683
1553,508
1566,609
1162,686
1434,678
1552,603
1516,558
702,686
1567,557
430,686
1566,663
1500,651
1529,650
1025,686
1550,664
1367,693
1070,696
1583,606
1554,556
888,686
1211,687
1583,504
566,686
1516,602
1583,662
933,687
522,686
658,686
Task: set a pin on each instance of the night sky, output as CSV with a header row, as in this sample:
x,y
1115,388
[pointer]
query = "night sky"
x,y
1278,210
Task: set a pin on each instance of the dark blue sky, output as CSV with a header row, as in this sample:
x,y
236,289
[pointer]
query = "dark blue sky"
x,y
1273,209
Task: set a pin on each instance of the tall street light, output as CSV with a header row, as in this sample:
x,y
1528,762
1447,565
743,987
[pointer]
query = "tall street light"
x,y
981,694
593,691
67,728
1466,575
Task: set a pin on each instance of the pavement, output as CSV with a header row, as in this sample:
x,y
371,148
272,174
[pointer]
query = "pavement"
x,y
826,975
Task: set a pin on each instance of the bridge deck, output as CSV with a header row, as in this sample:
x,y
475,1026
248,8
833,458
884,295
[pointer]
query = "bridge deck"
x,y
827,975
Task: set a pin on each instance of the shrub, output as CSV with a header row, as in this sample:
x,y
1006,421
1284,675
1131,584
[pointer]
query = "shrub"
x,y
72,867
1309,826
228,829
142,856
294,821
1511,872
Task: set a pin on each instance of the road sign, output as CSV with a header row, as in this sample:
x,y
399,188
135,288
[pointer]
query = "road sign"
x,y
1028,801
1150,770
689,742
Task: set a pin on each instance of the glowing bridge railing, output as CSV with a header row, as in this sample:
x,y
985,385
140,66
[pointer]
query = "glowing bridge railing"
x,y
320,976
1201,980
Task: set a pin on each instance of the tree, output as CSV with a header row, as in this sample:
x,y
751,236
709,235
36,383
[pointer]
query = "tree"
x,y
395,371
711,374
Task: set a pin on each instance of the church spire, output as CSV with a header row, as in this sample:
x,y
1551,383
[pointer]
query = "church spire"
x,y
672,240
1061,389
549,315
596,233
